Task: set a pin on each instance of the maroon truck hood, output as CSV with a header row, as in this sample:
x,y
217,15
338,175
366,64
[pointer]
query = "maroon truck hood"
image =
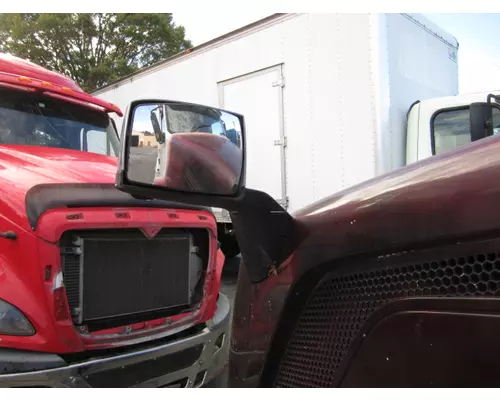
x,y
22,167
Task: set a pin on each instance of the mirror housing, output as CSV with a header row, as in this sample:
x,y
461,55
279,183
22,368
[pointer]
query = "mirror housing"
x,y
202,155
480,116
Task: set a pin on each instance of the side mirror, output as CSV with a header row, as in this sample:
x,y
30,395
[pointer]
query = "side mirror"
x,y
480,116
195,159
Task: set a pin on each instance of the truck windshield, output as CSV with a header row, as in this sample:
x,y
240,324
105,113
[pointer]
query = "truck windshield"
x,y
37,120
189,119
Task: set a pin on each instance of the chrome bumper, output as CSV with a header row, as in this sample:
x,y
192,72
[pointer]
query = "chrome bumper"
x,y
209,362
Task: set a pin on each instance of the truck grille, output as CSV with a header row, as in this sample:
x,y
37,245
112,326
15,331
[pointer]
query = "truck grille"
x,y
116,277
337,308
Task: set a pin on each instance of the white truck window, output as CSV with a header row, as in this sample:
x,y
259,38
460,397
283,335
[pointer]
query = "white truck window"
x,y
451,129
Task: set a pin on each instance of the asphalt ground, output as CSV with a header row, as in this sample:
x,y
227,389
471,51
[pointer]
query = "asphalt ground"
x,y
142,164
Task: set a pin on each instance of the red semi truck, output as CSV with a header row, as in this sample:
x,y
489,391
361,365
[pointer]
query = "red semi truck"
x,y
97,287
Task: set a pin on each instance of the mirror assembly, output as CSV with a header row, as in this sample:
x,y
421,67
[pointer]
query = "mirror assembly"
x,y
199,163
481,117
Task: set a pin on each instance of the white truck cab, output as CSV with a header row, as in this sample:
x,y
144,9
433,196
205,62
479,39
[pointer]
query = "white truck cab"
x,y
439,125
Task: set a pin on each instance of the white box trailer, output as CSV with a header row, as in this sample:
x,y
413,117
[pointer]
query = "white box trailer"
x,y
325,96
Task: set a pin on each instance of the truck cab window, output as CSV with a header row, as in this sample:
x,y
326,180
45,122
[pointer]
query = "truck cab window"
x,y
94,141
451,129
37,120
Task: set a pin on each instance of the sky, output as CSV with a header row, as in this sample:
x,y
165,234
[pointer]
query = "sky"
x,y
479,48
477,34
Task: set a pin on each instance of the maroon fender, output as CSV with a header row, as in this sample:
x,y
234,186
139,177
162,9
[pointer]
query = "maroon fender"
x,y
419,246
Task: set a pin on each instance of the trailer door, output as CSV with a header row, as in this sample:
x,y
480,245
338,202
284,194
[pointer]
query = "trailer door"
x,y
259,97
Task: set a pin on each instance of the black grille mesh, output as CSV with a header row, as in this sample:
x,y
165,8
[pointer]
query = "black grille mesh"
x,y
337,308
125,276
70,261
133,274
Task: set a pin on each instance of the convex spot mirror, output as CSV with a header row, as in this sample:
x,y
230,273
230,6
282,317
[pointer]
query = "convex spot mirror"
x,y
183,147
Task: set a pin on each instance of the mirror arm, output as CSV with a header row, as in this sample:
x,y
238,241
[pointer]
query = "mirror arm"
x,y
267,235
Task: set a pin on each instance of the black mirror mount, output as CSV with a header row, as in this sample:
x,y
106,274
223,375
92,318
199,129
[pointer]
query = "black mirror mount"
x,y
266,233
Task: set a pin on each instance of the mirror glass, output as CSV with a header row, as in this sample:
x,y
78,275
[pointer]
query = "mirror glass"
x,y
186,147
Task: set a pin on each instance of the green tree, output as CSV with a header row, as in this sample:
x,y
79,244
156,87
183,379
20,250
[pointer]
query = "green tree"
x,y
93,49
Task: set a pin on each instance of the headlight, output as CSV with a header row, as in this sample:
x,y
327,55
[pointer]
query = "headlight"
x,y
13,322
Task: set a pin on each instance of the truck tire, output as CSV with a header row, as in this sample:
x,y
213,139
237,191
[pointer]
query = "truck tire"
x,y
229,246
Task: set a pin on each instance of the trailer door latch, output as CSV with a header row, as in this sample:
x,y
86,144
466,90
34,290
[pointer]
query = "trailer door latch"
x,y
280,142
279,83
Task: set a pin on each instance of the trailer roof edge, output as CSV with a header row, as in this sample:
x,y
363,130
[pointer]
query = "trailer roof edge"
x,y
260,22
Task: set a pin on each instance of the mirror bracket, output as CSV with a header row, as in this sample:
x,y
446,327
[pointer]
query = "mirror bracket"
x,y
267,234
